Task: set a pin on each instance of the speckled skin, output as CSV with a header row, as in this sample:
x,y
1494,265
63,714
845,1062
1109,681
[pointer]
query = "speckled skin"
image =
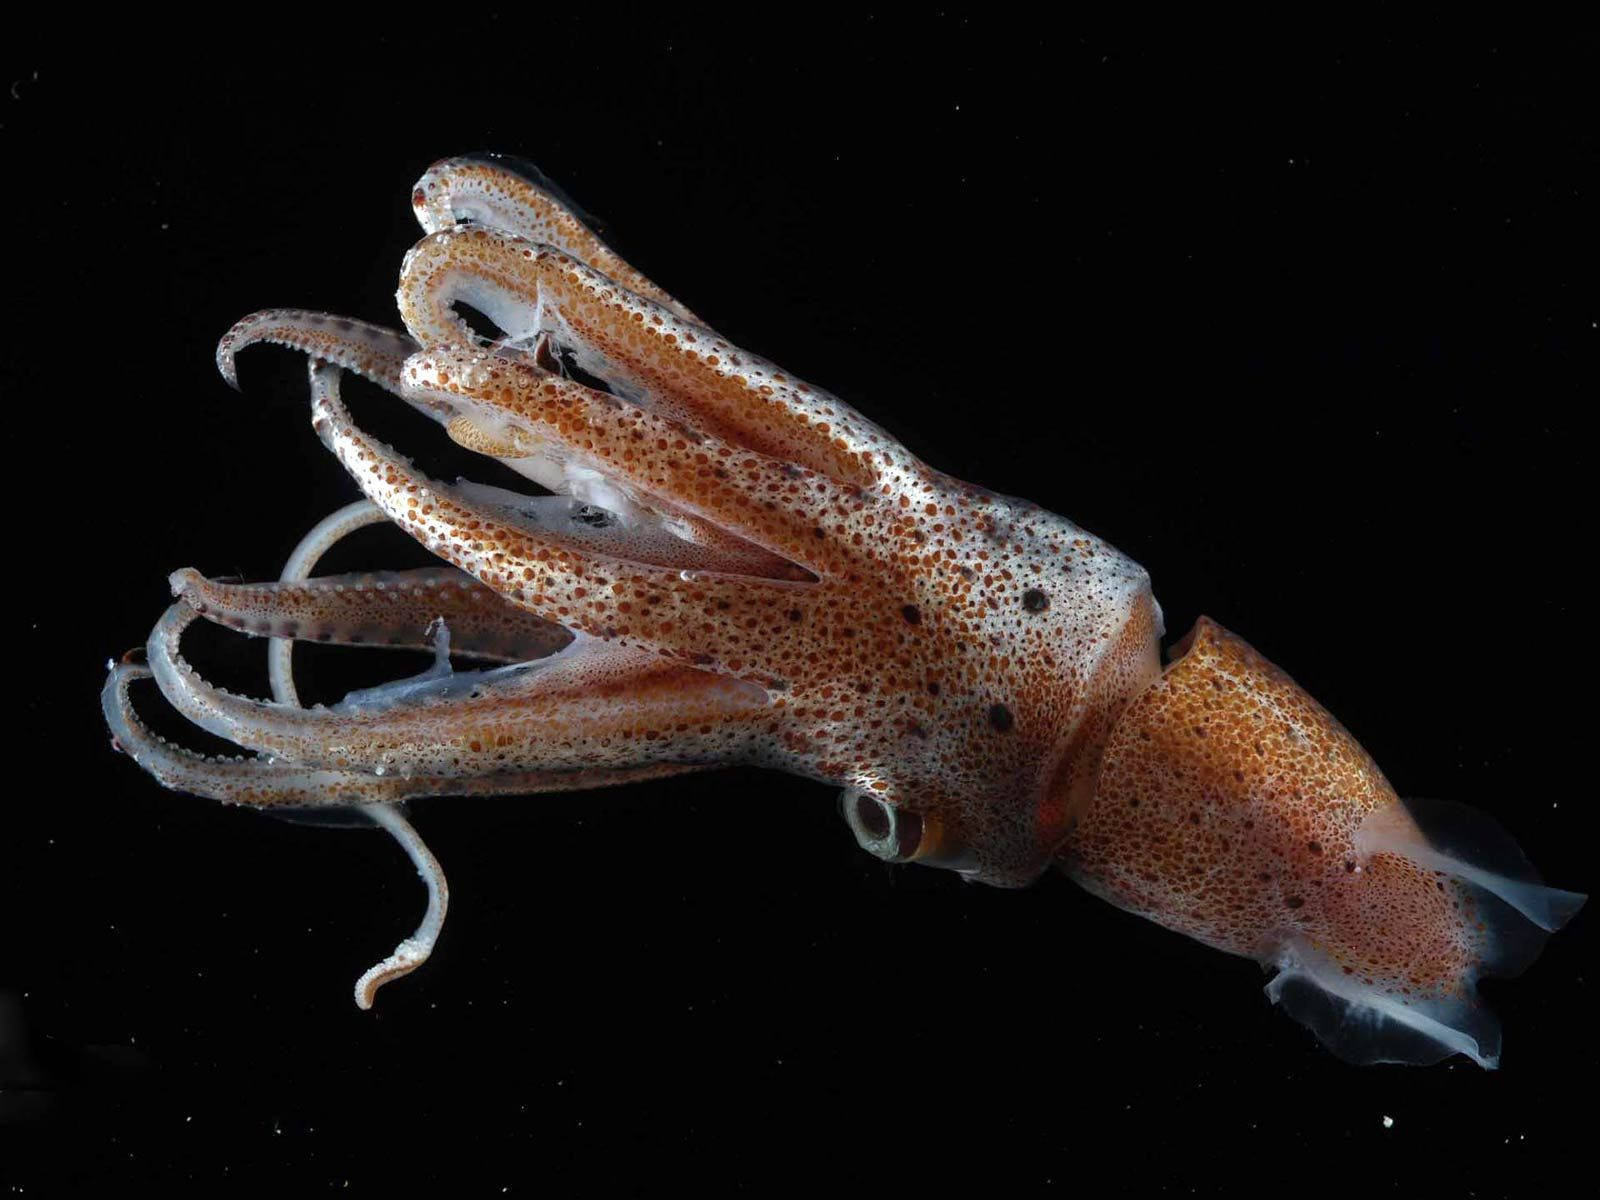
x,y
1228,808
748,571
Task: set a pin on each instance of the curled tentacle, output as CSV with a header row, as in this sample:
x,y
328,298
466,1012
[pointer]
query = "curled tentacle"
x,y
303,559
644,351
381,608
415,950
485,192
370,351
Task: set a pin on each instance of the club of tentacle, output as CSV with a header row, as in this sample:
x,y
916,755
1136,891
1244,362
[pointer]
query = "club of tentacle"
x,y
716,564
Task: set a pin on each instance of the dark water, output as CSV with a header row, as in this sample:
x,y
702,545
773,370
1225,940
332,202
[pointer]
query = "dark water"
x,y
1304,327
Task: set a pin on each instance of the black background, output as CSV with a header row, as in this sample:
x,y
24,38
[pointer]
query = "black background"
x,y
1301,320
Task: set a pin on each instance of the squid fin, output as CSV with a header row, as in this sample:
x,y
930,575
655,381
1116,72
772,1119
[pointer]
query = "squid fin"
x,y
1474,848
1361,1025
1506,915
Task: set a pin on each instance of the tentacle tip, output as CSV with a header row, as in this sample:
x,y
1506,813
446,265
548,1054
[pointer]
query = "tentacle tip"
x,y
225,365
407,957
184,580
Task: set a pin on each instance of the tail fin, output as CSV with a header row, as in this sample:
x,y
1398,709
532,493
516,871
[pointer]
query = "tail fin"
x,y
1447,898
1473,847
1363,1023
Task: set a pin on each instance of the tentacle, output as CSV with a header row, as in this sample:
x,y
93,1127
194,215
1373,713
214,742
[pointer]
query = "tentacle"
x,y
486,192
388,608
415,950
370,351
591,705
651,459
303,559
275,783
643,350
604,585
326,534
673,539
661,535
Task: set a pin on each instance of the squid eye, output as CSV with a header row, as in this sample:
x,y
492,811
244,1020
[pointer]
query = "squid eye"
x,y
889,833
897,835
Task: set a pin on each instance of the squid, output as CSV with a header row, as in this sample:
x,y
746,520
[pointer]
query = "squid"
x,y
716,563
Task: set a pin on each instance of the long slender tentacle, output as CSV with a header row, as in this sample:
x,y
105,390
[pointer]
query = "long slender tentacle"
x,y
483,191
647,352
385,608
276,783
732,623
593,704
371,351
415,950
539,526
303,559
270,781
765,500
667,537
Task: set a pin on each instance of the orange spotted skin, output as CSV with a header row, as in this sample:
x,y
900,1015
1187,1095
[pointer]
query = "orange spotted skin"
x,y
691,375
454,190
955,652
950,653
1227,809
735,567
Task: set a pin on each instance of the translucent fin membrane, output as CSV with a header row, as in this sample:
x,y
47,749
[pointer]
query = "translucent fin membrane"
x,y
1364,1026
1473,847
1496,920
